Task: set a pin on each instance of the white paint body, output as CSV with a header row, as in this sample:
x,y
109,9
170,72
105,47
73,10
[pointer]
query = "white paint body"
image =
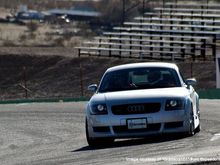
x,y
116,126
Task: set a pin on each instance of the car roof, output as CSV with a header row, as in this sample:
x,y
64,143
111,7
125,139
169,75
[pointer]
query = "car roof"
x,y
143,65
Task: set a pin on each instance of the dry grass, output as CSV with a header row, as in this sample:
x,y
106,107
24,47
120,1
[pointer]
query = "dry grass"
x,y
59,76
4,12
11,31
45,34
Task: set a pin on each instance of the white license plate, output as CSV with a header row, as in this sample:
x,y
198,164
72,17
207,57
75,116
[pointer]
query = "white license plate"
x,y
137,123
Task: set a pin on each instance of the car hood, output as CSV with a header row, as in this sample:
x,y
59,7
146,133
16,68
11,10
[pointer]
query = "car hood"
x,y
139,95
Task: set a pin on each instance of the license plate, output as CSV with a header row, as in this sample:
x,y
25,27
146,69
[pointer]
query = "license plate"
x,y
137,123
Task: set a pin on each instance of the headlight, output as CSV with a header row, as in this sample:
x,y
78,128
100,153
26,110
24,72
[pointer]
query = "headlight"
x,y
174,104
99,109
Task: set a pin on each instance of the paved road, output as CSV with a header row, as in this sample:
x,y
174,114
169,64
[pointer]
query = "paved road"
x,y
53,133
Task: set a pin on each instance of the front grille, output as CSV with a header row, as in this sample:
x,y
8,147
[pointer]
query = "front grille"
x,y
128,109
173,125
124,129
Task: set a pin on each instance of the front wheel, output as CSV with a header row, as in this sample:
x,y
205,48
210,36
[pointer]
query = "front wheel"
x,y
198,129
192,125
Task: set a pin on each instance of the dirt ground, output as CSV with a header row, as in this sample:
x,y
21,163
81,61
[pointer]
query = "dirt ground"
x,y
55,72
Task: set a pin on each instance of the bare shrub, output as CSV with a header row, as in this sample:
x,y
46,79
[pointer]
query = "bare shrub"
x,y
75,42
112,10
8,43
32,36
59,41
67,36
48,38
85,30
22,38
32,26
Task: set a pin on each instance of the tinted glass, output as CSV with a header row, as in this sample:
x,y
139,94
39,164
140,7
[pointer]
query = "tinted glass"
x,y
139,78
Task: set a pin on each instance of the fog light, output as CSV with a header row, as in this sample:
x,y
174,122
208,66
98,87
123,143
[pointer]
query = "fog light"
x,y
100,108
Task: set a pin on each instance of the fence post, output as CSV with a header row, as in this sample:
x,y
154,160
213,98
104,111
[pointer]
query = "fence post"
x,y
25,81
81,77
203,50
214,46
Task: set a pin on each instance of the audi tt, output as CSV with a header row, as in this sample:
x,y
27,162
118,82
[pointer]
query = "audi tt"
x,y
141,99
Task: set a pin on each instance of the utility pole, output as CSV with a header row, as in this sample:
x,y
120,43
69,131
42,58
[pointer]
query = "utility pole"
x,y
123,12
143,6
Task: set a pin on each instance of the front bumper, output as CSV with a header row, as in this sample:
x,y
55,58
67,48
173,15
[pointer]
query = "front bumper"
x,y
157,123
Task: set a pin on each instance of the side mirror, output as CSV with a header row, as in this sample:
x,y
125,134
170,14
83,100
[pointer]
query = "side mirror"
x,y
191,81
93,87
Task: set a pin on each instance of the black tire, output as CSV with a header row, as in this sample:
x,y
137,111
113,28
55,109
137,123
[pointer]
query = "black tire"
x,y
192,125
198,129
97,142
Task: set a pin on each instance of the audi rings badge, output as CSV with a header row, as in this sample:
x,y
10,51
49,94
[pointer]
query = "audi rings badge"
x,y
135,108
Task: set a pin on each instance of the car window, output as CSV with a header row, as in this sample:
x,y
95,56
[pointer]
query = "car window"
x,y
139,78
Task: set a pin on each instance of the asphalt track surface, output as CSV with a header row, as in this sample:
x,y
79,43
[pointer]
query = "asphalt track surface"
x,y
53,133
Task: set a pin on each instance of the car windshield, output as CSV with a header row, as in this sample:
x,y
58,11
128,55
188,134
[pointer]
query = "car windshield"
x,y
139,78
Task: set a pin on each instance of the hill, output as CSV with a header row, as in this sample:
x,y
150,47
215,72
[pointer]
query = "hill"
x,y
59,75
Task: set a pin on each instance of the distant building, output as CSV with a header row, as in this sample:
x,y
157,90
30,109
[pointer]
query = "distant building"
x,y
79,14
56,15
25,14
29,15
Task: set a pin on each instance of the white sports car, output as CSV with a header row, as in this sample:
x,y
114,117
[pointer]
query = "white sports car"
x,y
140,99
